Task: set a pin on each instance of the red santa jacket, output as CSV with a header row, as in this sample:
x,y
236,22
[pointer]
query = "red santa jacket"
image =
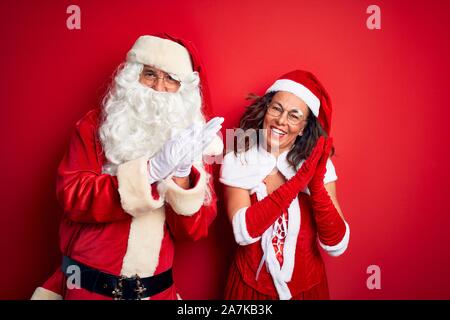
x,y
119,224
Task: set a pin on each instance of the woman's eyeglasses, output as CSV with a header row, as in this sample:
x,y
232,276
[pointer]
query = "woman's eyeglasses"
x,y
294,117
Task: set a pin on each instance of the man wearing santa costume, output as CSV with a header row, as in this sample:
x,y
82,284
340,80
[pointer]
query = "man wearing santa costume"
x,y
281,195
133,178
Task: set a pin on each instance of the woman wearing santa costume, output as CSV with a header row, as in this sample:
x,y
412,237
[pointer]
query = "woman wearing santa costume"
x,y
133,179
281,195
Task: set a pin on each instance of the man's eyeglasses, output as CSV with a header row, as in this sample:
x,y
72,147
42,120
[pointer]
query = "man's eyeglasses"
x,y
294,117
151,78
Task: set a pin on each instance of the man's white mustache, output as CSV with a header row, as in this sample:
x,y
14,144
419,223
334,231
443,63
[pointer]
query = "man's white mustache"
x,y
142,120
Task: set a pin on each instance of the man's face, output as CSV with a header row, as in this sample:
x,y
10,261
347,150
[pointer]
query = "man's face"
x,y
159,80
141,116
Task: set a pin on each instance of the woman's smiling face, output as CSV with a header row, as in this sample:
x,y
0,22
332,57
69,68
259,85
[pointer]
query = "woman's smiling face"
x,y
285,120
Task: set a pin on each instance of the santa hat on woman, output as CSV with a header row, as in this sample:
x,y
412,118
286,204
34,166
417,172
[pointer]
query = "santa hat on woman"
x,y
307,87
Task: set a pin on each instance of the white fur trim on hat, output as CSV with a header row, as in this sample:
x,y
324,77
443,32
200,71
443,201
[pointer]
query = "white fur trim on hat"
x,y
185,202
134,189
300,91
163,54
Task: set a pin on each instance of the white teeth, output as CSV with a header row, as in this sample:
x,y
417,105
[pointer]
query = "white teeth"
x,y
278,132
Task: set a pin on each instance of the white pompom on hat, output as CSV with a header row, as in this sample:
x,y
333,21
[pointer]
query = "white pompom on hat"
x,y
307,87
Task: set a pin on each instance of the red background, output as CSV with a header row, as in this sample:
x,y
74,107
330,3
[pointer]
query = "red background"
x,y
390,125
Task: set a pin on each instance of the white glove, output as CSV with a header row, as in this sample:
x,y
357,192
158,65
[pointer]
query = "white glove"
x,y
182,149
207,136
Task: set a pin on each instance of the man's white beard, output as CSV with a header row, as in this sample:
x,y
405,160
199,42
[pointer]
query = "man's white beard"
x,y
139,120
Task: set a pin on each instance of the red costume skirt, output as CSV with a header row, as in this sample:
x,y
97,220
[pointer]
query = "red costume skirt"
x,y
237,289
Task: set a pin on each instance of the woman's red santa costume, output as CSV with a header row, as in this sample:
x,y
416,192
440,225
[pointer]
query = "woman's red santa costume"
x,y
120,225
258,229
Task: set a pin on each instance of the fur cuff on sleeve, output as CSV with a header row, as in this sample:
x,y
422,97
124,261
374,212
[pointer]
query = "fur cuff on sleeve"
x,y
241,234
339,248
134,189
44,294
185,202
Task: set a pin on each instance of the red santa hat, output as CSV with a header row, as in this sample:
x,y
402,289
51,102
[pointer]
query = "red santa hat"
x,y
307,87
172,55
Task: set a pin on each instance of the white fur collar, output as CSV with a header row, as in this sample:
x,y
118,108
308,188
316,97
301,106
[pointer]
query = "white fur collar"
x,y
248,169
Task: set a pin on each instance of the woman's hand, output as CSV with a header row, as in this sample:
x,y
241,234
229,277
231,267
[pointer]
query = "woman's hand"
x,y
319,174
308,168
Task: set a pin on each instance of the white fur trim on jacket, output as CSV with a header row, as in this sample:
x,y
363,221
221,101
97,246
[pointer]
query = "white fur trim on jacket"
x,y
240,230
185,202
246,170
163,54
135,192
339,248
144,244
44,294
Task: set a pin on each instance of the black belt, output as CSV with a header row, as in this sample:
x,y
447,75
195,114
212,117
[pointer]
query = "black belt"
x,y
118,287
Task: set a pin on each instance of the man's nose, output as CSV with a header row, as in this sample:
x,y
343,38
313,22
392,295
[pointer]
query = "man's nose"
x,y
159,84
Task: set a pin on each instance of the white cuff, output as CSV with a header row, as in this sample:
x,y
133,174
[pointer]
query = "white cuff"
x,y
240,231
339,248
185,202
44,294
134,189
